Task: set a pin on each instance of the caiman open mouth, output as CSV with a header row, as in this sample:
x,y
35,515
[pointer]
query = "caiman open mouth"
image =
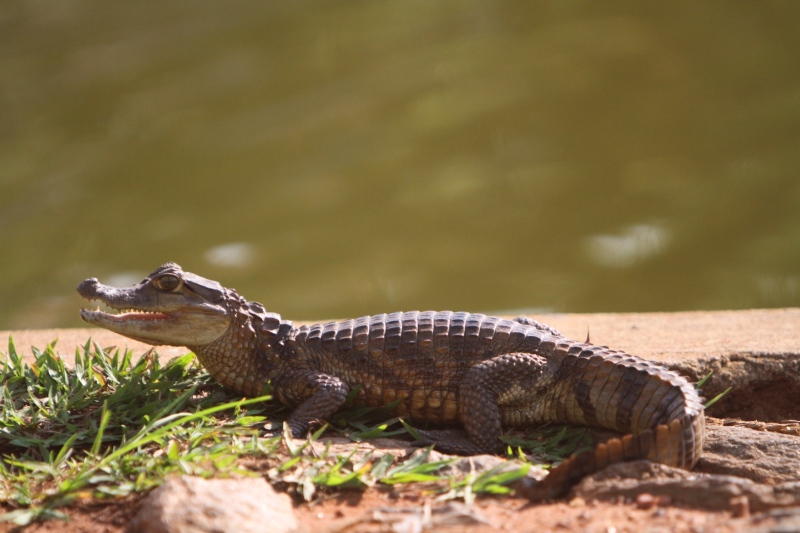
x,y
119,314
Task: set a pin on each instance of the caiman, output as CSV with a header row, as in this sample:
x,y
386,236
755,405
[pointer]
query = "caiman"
x,y
444,368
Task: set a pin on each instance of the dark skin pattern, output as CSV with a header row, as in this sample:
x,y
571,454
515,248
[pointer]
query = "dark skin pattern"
x,y
481,372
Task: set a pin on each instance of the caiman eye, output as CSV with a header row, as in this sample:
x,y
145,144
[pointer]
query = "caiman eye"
x,y
167,282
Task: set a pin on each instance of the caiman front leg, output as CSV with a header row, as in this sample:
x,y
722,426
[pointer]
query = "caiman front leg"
x,y
316,395
503,381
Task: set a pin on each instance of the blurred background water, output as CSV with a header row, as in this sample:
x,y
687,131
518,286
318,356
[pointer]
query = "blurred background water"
x,y
335,159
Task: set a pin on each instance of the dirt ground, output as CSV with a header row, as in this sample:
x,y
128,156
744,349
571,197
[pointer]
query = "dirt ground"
x,y
377,510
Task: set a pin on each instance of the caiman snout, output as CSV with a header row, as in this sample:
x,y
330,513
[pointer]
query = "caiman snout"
x,y
88,287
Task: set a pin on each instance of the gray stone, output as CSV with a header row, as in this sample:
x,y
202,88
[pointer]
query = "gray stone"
x,y
628,480
785,521
429,517
478,464
764,386
188,504
761,456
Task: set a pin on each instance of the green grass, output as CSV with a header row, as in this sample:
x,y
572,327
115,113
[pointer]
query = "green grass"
x,y
111,427
716,398
108,426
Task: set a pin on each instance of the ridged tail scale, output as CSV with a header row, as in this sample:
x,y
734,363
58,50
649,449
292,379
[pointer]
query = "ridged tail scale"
x,y
659,410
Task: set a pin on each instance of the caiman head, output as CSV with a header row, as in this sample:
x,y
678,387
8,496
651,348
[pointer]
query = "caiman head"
x,y
169,307
237,341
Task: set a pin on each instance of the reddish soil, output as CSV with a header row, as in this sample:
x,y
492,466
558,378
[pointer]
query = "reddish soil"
x,y
375,510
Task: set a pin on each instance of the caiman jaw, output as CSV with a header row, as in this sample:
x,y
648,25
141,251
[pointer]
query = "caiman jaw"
x,y
97,315
129,322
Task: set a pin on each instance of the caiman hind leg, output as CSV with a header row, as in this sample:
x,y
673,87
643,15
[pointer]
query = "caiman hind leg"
x,y
504,380
316,395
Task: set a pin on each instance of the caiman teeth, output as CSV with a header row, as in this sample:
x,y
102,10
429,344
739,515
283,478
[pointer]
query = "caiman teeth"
x,y
133,311
103,308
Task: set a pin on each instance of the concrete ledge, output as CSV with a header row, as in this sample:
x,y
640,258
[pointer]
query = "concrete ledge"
x,y
70,339
670,338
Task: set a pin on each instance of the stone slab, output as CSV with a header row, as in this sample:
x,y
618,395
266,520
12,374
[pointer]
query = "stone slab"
x,y
670,338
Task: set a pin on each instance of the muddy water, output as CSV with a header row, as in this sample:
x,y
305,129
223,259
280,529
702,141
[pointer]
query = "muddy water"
x,y
344,158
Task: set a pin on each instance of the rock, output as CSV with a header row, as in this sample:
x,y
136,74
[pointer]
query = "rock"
x,y
471,464
761,456
645,501
344,446
785,521
187,504
764,385
718,492
479,464
740,506
429,517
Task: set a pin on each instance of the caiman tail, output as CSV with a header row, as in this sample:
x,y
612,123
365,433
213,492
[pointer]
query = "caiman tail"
x,y
660,411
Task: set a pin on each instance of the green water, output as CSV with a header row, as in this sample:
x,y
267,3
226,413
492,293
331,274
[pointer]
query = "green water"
x,y
332,159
